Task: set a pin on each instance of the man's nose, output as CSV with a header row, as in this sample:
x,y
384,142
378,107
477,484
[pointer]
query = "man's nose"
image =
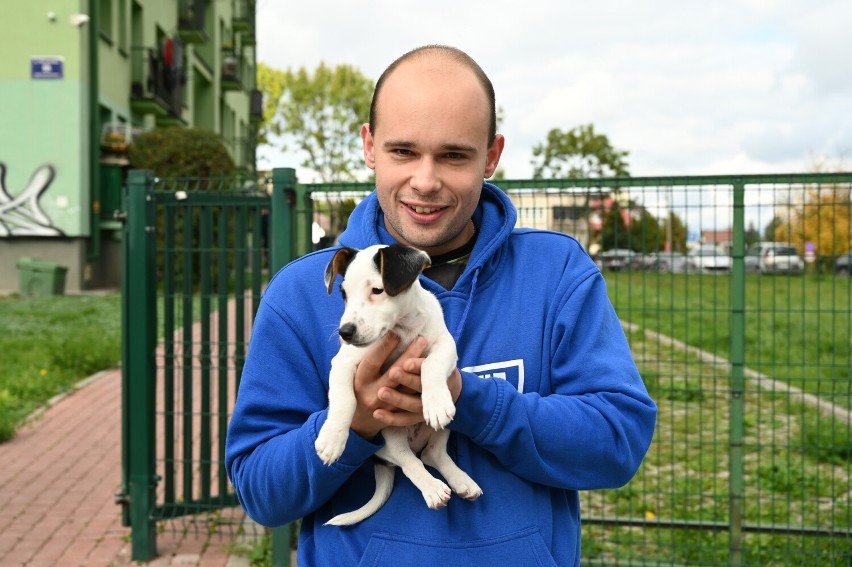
x,y
425,178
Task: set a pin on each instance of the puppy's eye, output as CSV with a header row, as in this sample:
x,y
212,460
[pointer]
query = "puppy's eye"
x,y
343,293
378,291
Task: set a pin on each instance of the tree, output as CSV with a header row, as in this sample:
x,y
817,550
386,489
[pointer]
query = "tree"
x,y
823,217
614,233
320,114
181,152
578,153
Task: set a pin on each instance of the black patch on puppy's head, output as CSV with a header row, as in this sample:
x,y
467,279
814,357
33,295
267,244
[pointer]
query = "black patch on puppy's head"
x,y
400,266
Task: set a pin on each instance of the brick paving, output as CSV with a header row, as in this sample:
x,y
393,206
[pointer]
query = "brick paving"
x,y
58,480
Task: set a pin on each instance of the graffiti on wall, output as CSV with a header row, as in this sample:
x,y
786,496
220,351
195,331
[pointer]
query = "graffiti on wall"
x,y
22,215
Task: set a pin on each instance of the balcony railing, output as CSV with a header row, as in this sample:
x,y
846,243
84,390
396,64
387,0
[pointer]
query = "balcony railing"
x,y
244,12
156,83
191,21
232,79
256,105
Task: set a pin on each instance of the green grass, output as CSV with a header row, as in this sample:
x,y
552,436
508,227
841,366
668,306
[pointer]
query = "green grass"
x,y
797,329
49,344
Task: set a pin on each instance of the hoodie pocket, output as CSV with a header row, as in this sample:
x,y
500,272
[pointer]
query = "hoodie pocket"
x,y
520,548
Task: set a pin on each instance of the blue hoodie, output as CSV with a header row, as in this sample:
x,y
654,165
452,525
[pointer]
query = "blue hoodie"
x,y
551,403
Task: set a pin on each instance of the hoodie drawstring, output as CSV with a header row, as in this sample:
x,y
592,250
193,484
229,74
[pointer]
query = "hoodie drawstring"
x,y
463,320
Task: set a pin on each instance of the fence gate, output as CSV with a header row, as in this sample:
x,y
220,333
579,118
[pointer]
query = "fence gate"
x,y
195,260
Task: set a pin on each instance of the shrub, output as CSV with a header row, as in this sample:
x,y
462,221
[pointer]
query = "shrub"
x,y
181,152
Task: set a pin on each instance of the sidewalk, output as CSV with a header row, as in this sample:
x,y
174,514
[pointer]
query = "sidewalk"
x,y
58,481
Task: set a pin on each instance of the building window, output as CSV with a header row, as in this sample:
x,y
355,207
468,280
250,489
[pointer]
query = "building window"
x,y
105,19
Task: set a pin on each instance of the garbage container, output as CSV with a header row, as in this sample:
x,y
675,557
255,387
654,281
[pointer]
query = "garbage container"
x,y
40,277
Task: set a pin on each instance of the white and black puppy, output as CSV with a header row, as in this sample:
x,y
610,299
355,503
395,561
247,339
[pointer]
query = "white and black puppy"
x,y
382,294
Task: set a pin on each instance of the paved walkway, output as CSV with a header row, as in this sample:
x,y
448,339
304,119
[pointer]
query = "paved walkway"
x,y
58,480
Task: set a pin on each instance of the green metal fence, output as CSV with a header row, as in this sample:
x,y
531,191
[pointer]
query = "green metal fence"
x,y
751,369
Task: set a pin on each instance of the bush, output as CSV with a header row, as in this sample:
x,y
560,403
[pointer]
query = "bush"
x,y
181,152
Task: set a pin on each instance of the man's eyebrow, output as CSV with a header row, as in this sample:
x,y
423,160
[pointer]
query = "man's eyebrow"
x,y
388,144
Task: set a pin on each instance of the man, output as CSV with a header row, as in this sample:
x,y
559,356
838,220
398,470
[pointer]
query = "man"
x,y
548,398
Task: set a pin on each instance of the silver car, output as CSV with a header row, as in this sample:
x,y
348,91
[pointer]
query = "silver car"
x,y
708,259
773,258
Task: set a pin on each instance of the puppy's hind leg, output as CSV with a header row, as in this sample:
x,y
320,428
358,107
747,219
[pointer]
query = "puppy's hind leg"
x,y
397,451
435,455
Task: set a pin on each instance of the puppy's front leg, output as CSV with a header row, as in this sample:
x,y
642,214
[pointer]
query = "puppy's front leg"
x,y
438,406
332,437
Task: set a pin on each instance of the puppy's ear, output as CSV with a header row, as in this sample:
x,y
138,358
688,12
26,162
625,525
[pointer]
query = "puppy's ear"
x,y
400,266
338,265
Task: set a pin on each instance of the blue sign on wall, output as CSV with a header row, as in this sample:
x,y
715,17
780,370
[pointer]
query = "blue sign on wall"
x,y
46,67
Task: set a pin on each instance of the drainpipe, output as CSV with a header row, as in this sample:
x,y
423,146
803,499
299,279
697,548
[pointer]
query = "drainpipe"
x,y
94,138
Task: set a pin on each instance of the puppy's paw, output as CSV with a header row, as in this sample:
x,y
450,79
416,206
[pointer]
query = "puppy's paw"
x,y
469,492
330,444
436,494
438,408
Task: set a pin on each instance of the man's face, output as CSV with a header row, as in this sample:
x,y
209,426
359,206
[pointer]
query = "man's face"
x,y
430,152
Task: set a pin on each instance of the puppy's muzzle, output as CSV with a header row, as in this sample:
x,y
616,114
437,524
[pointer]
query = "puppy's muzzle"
x,y
347,332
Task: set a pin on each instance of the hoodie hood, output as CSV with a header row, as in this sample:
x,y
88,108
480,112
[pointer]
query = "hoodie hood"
x,y
495,218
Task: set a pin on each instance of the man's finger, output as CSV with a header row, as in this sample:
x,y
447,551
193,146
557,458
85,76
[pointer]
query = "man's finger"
x,y
377,354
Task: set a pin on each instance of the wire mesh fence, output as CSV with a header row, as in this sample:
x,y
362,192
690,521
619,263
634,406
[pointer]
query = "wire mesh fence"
x,y
733,295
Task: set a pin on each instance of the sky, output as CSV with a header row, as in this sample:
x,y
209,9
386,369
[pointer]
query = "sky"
x,y
686,87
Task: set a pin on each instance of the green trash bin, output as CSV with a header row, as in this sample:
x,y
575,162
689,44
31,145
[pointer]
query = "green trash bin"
x,y
40,277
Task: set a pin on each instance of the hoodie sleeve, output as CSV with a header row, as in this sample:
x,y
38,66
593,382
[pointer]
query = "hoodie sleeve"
x,y
280,408
593,428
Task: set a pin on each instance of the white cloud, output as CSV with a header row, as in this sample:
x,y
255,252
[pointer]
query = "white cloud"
x,y
687,88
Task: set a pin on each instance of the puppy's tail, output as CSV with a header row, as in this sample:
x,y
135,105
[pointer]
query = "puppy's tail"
x,y
384,485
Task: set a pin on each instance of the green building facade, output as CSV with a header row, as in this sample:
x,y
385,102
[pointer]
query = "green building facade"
x,y
78,80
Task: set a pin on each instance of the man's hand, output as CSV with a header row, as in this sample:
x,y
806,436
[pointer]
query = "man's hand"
x,y
382,400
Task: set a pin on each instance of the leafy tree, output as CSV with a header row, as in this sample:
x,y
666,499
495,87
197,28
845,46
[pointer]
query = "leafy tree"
x,y
824,217
646,234
578,153
674,231
181,152
320,114
614,233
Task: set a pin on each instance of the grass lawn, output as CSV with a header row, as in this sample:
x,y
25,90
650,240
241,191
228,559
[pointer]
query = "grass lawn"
x,y
797,329
49,344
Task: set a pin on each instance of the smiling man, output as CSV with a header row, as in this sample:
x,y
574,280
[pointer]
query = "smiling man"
x,y
548,398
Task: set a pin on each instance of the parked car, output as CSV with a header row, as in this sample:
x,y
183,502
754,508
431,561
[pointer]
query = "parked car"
x,y
673,262
615,259
843,264
773,258
708,259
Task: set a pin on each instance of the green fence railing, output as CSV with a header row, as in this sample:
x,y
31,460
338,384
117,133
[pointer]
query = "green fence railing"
x,y
747,351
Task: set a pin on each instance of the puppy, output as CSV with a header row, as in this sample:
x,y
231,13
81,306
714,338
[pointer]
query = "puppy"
x,y
382,295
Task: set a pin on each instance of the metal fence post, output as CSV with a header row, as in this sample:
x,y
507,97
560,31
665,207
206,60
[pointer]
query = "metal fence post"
x,y
737,428
304,220
282,249
138,296
281,218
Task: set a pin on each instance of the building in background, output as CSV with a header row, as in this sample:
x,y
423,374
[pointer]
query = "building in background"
x,y
80,78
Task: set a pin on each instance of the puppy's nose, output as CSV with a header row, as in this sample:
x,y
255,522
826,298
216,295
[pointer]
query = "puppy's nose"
x,y
347,332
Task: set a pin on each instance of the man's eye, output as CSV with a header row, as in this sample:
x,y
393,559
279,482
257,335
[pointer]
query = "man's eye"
x,y
378,291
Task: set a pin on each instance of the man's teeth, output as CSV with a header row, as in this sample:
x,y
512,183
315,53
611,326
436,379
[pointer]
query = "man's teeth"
x,y
423,210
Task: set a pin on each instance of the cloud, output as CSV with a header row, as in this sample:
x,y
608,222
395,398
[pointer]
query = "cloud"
x,y
686,88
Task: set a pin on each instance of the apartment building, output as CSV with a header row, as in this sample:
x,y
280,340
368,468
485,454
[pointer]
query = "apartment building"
x,y
78,80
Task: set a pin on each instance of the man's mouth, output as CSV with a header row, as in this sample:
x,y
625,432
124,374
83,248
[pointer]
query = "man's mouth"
x,y
424,210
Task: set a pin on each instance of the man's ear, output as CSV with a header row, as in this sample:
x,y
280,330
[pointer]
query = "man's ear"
x,y
400,266
369,148
492,156
338,265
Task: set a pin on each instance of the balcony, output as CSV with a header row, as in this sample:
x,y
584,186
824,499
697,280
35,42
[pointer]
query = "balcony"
x,y
155,86
191,21
244,12
256,105
231,66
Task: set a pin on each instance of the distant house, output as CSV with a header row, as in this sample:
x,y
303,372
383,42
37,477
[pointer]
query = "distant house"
x,y
723,238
